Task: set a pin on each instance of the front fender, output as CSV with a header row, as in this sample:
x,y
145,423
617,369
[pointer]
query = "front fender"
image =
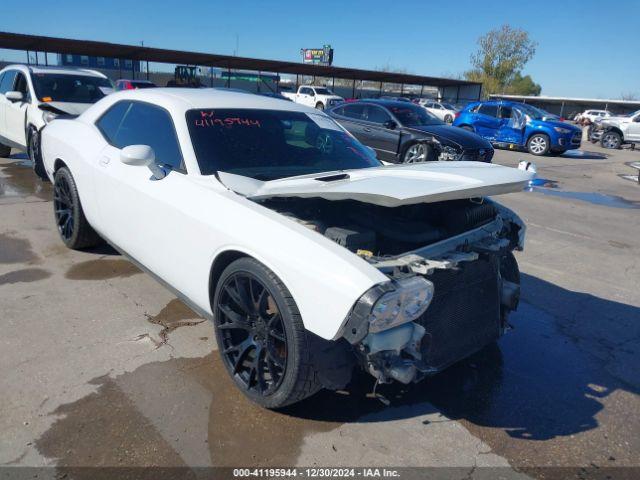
x,y
324,278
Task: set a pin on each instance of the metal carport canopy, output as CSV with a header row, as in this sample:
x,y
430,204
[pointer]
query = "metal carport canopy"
x,y
17,41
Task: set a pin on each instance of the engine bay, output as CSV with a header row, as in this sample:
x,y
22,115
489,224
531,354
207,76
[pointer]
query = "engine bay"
x,y
376,231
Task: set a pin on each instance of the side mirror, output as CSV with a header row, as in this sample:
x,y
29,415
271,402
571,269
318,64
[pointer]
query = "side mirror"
x,y
14,96
390,124
142,156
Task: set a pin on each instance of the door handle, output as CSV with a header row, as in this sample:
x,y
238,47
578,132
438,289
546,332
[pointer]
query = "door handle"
x,y
104,161
366,129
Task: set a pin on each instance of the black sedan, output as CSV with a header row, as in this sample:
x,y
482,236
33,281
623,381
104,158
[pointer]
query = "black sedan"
x,y
401,132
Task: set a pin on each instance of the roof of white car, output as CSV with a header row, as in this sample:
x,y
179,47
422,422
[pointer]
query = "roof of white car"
x,y
188,98
55,70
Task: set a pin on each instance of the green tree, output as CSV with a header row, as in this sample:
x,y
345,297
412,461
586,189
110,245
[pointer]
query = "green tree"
x,y
502,54
523,86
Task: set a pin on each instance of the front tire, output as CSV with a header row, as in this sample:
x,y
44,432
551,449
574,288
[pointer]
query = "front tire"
x,y
262,340
611,140
73,227
538,144
33,150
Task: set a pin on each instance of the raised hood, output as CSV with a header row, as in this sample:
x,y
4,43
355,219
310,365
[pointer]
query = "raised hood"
x,y
390,186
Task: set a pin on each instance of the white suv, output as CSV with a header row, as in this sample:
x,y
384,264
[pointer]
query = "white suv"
x,y
30,97
444,111
593,115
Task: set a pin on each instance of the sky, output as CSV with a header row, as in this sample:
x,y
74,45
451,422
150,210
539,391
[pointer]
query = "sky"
x,y
585,49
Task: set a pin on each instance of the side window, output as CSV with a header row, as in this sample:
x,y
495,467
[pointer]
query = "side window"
x,y
7,81
354,111
135,123
505,112
109,122
376,114
21,84
338,111
488,109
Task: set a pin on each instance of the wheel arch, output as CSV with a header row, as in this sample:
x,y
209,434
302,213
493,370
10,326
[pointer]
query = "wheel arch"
x,y
58,164
220,262
616,130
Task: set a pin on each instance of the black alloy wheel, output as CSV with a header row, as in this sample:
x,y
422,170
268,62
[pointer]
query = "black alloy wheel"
x,y
63,208
254,342
73,227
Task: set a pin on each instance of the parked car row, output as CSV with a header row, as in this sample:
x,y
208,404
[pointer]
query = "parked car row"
x,y
403,132
224,195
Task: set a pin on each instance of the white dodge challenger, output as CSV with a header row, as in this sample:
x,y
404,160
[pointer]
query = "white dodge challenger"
x,y
309,255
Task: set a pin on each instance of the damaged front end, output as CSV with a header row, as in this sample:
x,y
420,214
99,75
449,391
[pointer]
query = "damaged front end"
x,y
442,303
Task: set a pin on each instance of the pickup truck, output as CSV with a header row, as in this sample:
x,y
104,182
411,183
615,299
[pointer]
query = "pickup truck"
x,y
313,96
613,132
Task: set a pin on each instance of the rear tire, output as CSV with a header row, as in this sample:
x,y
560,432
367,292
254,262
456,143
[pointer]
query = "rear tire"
x,y
4,151
261,338
538,144
448,119
73,227
320,106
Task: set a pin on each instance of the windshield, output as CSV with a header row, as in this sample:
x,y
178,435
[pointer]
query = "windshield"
x,y
70,88
533,112
272,144
323,91
414,116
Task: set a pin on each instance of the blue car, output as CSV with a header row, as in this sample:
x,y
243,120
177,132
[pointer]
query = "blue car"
x,y
519,126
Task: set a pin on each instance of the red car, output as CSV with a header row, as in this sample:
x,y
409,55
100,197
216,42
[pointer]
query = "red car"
x,y
133,84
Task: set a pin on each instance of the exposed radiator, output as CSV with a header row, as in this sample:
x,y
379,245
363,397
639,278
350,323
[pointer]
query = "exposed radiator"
x,y
464,315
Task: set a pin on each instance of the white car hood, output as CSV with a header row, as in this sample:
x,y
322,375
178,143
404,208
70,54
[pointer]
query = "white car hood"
x,y
70,108
390,186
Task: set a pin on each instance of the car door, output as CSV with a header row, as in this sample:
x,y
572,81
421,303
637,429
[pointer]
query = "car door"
x,y
305,96
487,122
351,116
633,130
16,112
378,134
512,125
138,213
6,85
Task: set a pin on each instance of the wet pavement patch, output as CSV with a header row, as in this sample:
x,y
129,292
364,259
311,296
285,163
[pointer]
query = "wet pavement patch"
x,y
25,275
17,179
104,429
15,250
173,316
601,199
543,182
102,269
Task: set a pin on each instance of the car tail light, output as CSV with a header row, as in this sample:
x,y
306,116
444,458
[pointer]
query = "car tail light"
x,y
457,114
